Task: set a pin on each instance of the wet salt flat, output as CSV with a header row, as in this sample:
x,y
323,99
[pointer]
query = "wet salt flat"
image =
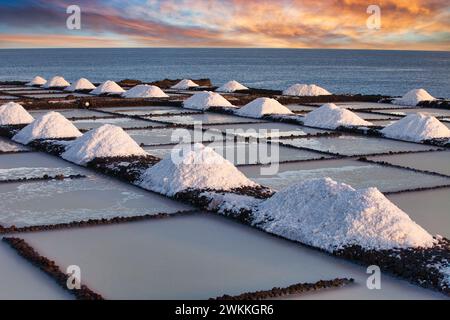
x,y
356,145
170,135
428,208
121,122
355,173
205,118
138,111
430,111
198,257
266,129
364,105
69,113
56,95
21,280
7,145
50,202
430,161
241,153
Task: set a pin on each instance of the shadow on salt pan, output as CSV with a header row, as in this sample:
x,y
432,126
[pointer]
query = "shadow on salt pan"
x,y
355,173
198,257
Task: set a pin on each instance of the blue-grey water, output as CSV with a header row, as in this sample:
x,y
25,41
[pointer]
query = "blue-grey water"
x,y
340,71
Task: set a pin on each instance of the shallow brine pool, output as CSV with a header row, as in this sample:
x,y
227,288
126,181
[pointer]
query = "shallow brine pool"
x,y
205,118
198,257
139,111
355,173
356,145
69,113
88,124
430,111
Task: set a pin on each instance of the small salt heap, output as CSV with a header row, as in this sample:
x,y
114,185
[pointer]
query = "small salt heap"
x,y
12,113
330,116
413,97
108,87
51,125
206,99
184,84
57,82
262,106
417,127
306,90
37,81
145,91
105,141
330,215
198,167
231,86
80,84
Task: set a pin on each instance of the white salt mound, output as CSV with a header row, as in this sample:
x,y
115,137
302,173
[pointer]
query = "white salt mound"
x,y
330,215
50,125
57,82
108,87
330,116
305,90
105,141
14,113
417,127
198,167
37,81
204,100
144,91
262,106
80,84
413,97
184,84
231,86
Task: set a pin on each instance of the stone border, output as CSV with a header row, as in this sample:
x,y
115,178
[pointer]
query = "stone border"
x,y
298,288
45,177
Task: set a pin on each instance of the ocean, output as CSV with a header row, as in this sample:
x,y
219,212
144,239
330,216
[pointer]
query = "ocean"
x,y
339,71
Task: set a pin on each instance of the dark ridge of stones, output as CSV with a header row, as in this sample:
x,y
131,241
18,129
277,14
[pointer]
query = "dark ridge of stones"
x,y
50,268
13,83
368,131
418,189
417,265
128,168
438,104
440,142
297,288
50,146
129,82
45,177
9,131
92,222
168,83
257,91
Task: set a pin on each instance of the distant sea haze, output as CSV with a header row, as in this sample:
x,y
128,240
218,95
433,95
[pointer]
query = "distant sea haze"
x,y
339,71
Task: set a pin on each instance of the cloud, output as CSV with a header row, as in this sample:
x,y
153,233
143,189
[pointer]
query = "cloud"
x,y
406,24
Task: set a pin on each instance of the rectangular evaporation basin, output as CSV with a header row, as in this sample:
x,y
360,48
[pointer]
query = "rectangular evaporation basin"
x,y
351,145
172,136
429,208
15,88
121,122
267,129
69,113
138,111
299,107
240,153
372,116
33,92
430,111
355,173
206,118
198,257
438,161
22,281
56,95
364,105
7,145
8,98
95,197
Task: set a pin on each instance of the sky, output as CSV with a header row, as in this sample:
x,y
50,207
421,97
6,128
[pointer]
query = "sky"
x,y
342,24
